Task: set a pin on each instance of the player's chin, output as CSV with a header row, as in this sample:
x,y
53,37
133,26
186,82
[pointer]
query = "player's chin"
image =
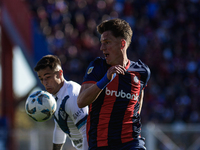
x,y
50,90
107,61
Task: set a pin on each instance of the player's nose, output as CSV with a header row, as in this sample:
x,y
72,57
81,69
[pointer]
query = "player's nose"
x,y
45,83
102,47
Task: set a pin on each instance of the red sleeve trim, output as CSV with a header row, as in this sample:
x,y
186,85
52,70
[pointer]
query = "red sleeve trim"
x,y
89,82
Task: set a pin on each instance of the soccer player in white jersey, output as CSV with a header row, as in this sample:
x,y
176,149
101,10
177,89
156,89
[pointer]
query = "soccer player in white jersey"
x,y
70,120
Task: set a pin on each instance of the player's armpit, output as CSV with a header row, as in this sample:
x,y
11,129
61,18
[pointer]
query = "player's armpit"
x,y
57,146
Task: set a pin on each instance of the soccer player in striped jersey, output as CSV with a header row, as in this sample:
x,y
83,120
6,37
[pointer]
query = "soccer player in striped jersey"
x,y
70,120
113,87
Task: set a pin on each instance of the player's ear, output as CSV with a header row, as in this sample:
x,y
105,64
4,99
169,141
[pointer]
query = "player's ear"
x,y
60,73
123,43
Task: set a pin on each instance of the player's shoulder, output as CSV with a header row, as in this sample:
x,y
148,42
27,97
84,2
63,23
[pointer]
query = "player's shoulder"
x,y
142,69
73,84
139,65
72,90
72,87
97,66
98,61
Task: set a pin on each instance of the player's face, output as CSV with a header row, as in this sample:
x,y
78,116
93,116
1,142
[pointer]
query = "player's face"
x,y
111,48
50,79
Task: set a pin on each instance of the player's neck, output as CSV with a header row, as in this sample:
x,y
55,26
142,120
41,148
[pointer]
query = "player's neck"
x,y
125,62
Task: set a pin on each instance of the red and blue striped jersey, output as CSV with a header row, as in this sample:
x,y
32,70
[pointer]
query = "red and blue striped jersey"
x,y
114,115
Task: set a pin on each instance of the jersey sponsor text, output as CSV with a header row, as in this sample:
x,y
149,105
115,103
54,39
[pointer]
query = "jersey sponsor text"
x,y
121,94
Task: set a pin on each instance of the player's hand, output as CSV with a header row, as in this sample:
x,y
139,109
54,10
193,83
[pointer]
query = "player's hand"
x,y
115,69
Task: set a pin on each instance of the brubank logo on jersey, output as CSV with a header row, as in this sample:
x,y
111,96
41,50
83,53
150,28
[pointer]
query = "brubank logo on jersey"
x,y
121,94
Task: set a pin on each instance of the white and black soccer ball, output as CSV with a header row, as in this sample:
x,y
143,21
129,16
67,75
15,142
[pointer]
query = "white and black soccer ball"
x,y
40,106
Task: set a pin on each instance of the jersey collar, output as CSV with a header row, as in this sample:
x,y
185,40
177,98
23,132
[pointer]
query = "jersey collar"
x,y
62,90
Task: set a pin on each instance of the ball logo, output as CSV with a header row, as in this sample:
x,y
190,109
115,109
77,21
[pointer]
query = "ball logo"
x,y
121,94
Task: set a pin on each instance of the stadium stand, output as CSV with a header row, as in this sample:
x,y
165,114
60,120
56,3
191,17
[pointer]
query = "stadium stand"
x,y
166,37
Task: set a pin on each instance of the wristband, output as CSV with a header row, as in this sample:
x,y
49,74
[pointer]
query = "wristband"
x,y
103,82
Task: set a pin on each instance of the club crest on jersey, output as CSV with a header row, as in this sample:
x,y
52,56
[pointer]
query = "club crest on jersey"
x,y
135,79
90,70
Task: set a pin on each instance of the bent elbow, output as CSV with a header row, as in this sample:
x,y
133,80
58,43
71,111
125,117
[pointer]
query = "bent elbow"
x,y
80,103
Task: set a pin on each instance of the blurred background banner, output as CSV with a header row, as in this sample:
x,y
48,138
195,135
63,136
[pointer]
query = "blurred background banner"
x,y
17,28
23,30
166,36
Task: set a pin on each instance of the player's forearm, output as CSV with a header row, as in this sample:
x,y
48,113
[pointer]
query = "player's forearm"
x,y
57,146
90,92
88,95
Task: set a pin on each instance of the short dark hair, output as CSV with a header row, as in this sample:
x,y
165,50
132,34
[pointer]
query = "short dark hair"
x,y
118,27
50,61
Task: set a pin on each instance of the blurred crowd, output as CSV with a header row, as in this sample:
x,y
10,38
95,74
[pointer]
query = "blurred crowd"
x,y
166,36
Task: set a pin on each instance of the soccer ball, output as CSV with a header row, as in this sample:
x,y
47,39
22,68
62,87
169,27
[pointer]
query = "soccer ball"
x,y
40,106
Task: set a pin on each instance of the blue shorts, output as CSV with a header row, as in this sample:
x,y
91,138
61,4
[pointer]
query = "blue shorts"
x,y
136,144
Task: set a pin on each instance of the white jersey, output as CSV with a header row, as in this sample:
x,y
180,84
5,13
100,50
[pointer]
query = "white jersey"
x,y
70,120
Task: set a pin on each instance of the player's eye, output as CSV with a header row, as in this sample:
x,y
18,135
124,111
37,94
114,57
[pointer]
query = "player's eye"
x,y
47,77
106,41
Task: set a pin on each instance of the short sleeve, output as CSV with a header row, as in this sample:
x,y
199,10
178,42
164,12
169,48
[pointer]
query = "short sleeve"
x,y
96,70
78,115
59,136
145,76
